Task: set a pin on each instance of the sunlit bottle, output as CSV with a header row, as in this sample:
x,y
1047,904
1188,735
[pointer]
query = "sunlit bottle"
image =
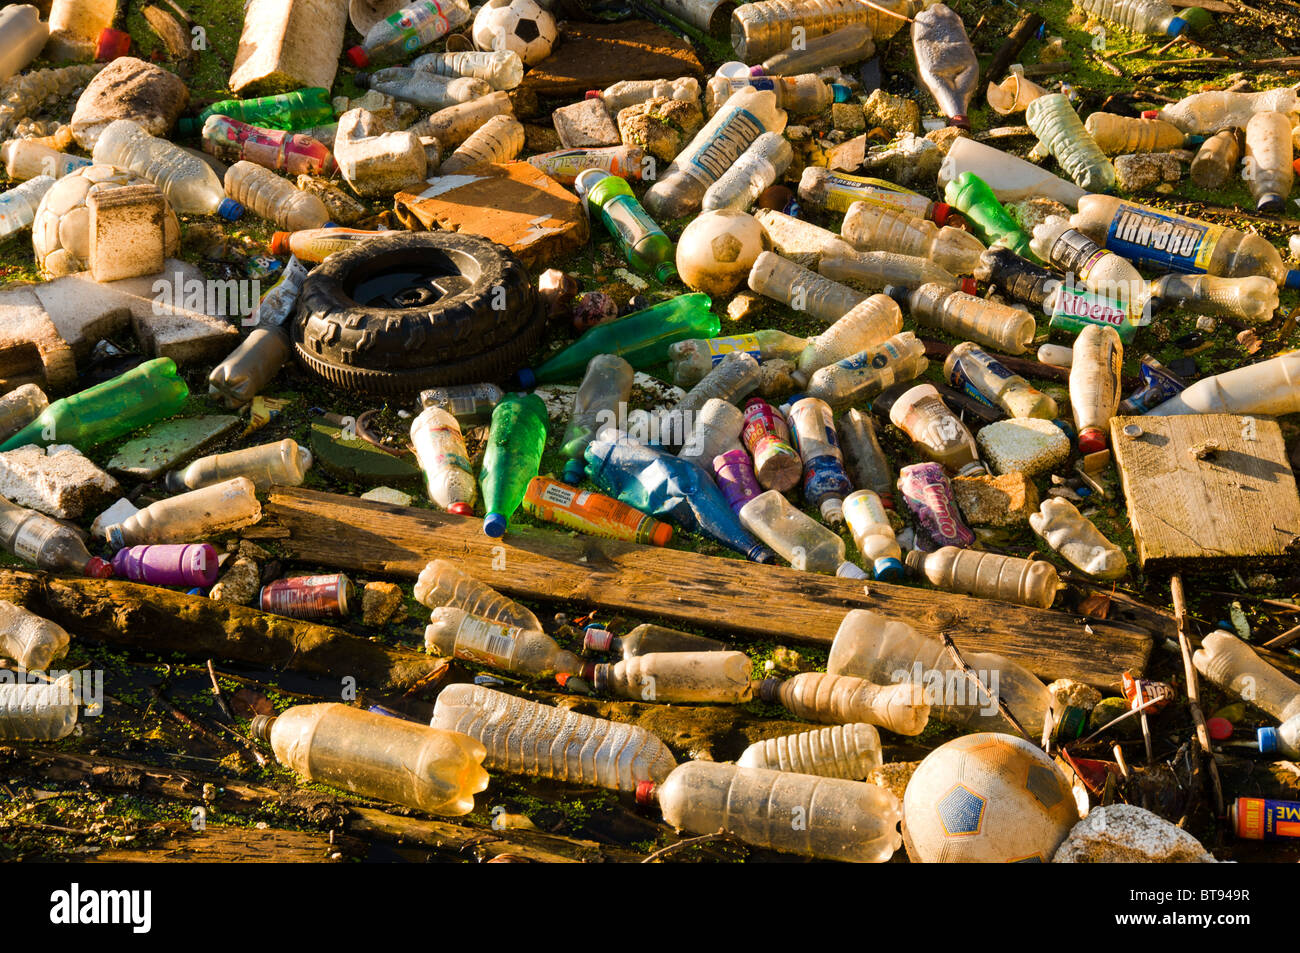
x,y
37,711
797,537
443,583
987,575
877,228
440,450
899,707
452,633
865,325
190,184
605,387
283,462
873,534
28,639
684,677
838,751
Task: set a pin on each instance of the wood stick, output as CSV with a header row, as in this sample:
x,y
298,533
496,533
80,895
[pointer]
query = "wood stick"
x,y
1286,638
970,674
221,697
1006,54
1193,686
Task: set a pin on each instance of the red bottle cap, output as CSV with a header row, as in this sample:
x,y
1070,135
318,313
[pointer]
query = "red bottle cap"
x,y
461,509
1091,440
98,568
279,243
1220,728
1151,114
645,791
663,532
969,285
593,94
357,56
111,44
941,212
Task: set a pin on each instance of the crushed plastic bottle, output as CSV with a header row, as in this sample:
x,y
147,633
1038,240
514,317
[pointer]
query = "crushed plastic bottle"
x,y
865,325
988,575
732,379
866,462
936,432
20,407
716,430
848,751
962,315
646,639
885,269
1207,113
1254,299
514,453
865,374
190,184
878,228
1121,135
899,706
605,387
283,462
945,61
1216,160
500,69
690,360
767,438
850,44
927,492
1059,128
499,140
231,140
425,90
29,640
190,516
800,289
1062,527
796,537
46,543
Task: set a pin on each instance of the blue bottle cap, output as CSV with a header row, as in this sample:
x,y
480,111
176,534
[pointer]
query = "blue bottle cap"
x,y
573,471
841,92
1293,278
1267,739
115,537
230,210
494,524
888,568
527,378
1177,26
759,553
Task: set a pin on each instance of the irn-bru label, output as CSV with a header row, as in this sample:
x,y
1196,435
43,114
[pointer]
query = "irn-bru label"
x,y
732,136
587,512
721,347
1265,819
1144,236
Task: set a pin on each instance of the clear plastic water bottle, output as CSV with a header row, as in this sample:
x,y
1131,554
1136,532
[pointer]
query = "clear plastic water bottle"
x,y
715,431
867,464
796,537
1268,169
525,737
937,433
985,378
1216,160
605,387
646,639
690,360
284,462
871,227
838,751
500,139
874,534
425,90
46,543
37,711
630,92
274,198
994,325
761,29
1207,113
468,403
883,269
440,449
845,45
452,633
1234,666
681,677
988,575
390,759
408,29
500,69
800,289
1121,135
29,640
1060,525
865,325
443,583
1146,17
867,373
190,516
1059,128
758,167
899,707
802,94
732,379
190,184
18,205
1254,299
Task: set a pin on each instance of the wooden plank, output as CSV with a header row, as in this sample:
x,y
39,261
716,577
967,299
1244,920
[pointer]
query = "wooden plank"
x,y
230,845
742,599
1240,501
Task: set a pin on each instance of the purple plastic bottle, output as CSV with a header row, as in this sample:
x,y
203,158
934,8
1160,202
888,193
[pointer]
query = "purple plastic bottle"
x,y
928,493
735,475
171,564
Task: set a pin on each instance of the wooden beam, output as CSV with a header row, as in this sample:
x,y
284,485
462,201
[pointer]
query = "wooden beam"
x,y
741,599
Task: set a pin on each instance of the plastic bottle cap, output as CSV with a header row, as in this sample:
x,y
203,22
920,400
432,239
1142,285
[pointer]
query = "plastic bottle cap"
x,y
573,471
1267,739
362,80
279,243
494,525
832,510
645,792
527,377
1293,278
98,568
115,537
846,570
888,568
1151,114
1177,26
968,285
1270,202
594,94
941,212
230,210
461,509
900,294
1220,728
1091,440
359,58
662,534
759,553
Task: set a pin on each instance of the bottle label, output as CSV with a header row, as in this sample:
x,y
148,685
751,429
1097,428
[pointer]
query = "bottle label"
x,y
843,191
1075,251
873,359
565,164
449,450
928,494
486,642
813,430
583,510
1265,819
1147,237
961,378
732,136
721,347
32,537
1083,306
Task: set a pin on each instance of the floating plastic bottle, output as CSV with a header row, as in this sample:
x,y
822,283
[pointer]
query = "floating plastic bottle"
x,y
899,707
973,197
999,326
987,575
452,633
443,583
170,564
936,432
500,139
865,325
1062,527
1254,299
647,639
273,198
1147,236
425,90
468,403
631,92
500,69
683,677
283,462
758,167
37,711
20,407
411,27
641,338
1268,169
670,488
27,159
715,430
734,474
22,34
1059,128
1270,387
1121,135
146,393
845,820
296,110
592,513
884,269
1146,17
766,434
878,228
1008,177
190,516
746,115
514,453
231,140
440,450
869,645
565,165
796,537
1234,666
834,191
866,462
29,640
691,360
18,205
846,45
801,289
525,737
840,751
605,387
927,492
1216,160
46,543
970,369
825,484
190,184
867,373
1095,384
389,759
1207,113
945,61
873,534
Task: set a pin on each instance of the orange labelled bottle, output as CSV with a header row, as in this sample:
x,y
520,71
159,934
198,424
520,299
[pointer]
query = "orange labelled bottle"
x,y
592,513
317,244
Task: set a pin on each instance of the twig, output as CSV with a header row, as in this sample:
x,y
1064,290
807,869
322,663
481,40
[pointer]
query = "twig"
x,y
206,732
1286,638
1115,721
1135,52
970,673
221,697
703,839
1193,686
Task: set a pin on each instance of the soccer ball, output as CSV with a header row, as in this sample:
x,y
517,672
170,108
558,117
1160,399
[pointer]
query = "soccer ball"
x,y
717,250
61,229
989,798
522,26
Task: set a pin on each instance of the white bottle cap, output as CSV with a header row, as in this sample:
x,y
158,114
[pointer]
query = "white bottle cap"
x,y
847,570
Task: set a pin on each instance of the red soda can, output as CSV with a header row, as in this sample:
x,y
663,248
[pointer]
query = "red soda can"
x,y
1140,691
307,597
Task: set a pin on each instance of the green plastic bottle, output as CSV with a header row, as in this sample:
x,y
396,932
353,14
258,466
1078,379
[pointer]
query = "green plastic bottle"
x,y
641,338
641,240
972,196
297,110
512,458
146,393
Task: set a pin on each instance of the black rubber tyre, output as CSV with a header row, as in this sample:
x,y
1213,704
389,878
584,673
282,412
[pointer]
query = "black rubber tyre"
x,y
430,304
